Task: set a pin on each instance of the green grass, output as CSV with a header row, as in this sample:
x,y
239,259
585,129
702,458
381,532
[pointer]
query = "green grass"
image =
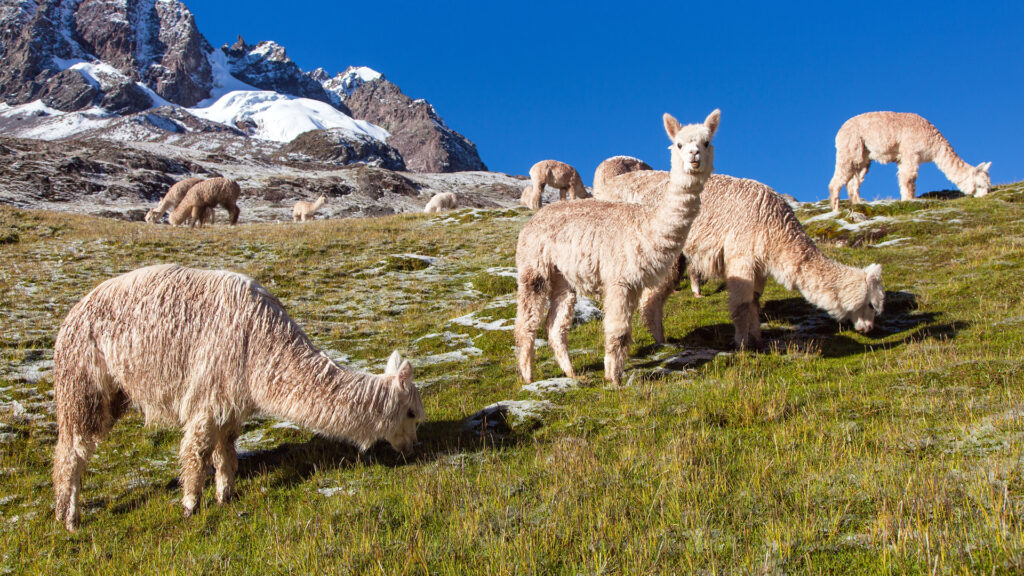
x,y
898,452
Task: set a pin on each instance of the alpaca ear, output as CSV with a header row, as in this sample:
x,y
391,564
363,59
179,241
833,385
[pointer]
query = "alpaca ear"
x,y
405,373
394,363
671,125
712,121
874,272
984,166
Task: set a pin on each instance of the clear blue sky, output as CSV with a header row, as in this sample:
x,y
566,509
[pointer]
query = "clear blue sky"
x,y
579,82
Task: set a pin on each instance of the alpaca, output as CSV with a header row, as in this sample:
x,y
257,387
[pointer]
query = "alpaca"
x,y
204,350
557,175
614,166
441,202
306,210
171,199
529,198
203,198
907,139
745,232
611,249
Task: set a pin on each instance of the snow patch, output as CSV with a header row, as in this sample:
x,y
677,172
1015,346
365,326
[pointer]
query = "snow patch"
x,y
457,356
585,311
892,242
280,118
333,490
471,321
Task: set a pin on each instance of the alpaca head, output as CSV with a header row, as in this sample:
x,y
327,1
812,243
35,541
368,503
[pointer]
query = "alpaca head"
x,y
408,414
153,216
870,303
980,181
322,199
692,151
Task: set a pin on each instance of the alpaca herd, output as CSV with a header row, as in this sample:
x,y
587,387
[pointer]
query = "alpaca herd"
x,y
205,350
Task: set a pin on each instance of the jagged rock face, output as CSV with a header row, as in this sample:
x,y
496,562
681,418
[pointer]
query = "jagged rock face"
x,y
427,144
156,42
268,67
341,147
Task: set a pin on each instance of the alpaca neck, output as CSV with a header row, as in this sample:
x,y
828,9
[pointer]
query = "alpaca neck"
x,y
674,213
946,159
319,202
299,383
819,278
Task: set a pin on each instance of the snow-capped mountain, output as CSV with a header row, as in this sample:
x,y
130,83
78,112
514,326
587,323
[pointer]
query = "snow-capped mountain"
x,y
99,68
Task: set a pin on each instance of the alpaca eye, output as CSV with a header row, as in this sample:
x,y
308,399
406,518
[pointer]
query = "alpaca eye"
x,y
706,144
680,146
412,414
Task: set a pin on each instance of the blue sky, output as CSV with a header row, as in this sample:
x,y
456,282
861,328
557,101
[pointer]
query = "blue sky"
x,y
580,82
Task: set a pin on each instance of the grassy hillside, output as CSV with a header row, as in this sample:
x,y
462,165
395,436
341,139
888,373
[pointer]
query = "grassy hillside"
x,y
830,452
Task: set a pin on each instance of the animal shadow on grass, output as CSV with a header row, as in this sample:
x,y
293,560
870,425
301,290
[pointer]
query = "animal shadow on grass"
x,y
294,462
900,316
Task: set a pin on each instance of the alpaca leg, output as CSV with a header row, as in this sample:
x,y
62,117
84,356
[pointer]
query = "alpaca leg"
x,y
197,216
86,420
741,297
538,191
652,304
531,300
694,282
755,309
194,457
233,211
225,462
562,193
853,186
839,179
619,305
560,313
907,175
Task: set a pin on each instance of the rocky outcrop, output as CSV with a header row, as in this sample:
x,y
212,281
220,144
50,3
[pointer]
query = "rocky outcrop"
x,y
427,144
156,43
341,147
267,67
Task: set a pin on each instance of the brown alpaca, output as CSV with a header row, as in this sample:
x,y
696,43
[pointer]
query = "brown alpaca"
x,y
306,210
907,139
171,199
557,175
441,202
612,249
614,166
204,197
745,232
204,350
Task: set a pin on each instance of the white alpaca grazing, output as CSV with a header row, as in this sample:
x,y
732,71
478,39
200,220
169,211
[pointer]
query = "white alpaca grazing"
x,y
172,199
907,139
744,233
611,249
441,202
204,350
307,210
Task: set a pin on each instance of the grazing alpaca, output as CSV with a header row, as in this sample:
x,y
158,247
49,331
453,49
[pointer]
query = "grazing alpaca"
x,y
611,249
441,202
907,139
205,197
205,350
614,166
305,210
171,199
745,232
530,198
557,175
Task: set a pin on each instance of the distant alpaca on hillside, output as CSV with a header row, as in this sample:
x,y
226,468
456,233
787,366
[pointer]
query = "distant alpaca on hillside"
x,y
306,210
205,350
745,232
613,249
171,199
899,137
441,202
557,175
205,197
